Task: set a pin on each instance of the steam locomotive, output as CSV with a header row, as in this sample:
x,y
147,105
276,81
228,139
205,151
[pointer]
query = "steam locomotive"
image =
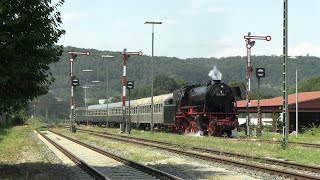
x,y
208,108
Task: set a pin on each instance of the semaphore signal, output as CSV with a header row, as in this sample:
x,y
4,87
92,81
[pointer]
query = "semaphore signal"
x,y
74,82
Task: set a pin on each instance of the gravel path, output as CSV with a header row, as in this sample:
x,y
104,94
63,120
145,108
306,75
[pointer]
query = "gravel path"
x,y
108,166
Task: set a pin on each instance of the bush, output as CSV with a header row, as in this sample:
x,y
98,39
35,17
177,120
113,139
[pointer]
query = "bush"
x,y
312,129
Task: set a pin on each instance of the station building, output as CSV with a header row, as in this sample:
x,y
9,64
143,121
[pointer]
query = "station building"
x,y
308,109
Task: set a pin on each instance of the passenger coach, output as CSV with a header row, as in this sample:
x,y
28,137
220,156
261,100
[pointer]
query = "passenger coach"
x,y
111,114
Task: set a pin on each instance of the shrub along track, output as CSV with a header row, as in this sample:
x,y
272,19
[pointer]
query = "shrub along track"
x,y
254,163
101,164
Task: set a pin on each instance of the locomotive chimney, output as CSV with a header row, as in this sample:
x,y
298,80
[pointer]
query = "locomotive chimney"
x,y
216,81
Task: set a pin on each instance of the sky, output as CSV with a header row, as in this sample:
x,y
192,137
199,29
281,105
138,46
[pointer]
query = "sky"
x,y
191,28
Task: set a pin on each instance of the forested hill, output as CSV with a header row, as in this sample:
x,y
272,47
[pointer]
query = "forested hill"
x,y
193,70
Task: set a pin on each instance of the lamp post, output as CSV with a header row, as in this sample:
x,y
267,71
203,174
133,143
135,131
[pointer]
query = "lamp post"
x,y
249,45
107,56
297,115
34,111
153,23
85,87
297,102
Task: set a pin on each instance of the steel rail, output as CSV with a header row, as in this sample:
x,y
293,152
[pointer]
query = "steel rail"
x,y
87,168
207,150
149,170
214,159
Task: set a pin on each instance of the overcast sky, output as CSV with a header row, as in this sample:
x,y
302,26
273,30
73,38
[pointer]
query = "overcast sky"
x,y
191,28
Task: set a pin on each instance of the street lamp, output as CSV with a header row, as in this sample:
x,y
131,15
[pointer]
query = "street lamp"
x,y
87,86
85,94
107,56
34,111
153,23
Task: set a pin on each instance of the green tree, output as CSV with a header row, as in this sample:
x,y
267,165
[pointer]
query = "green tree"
x,y
242,87
164,84
312,84
29,31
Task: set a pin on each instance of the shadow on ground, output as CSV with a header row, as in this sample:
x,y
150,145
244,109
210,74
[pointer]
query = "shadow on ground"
x,y
40,170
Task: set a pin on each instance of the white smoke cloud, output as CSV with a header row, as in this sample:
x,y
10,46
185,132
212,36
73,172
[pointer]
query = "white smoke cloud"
x,y
215,74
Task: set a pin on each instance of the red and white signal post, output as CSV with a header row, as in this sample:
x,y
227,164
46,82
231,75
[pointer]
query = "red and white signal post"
x,y
126,56
249,45
73,82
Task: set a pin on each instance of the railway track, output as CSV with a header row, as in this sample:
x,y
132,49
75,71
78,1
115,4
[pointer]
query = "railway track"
x,y
101,164
305,170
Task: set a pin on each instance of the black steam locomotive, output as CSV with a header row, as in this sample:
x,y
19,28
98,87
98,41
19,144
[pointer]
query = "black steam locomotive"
x,y
208,108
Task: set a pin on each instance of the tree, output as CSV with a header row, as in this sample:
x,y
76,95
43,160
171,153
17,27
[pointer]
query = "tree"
x,y
242,87
164,84
312,84
29,30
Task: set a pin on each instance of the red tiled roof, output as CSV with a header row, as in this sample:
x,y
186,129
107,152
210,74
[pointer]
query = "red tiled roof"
x,y
278,101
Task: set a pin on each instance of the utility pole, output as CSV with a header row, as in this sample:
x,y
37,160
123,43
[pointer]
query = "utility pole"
x,y
285,80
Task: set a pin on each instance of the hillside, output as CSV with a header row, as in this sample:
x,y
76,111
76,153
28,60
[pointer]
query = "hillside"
x,y
193,70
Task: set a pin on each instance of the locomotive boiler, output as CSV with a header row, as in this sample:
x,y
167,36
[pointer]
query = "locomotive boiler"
x,y
208,108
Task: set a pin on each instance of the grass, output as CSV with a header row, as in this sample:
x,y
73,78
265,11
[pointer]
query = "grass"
x,y
13,140
21,156
293,153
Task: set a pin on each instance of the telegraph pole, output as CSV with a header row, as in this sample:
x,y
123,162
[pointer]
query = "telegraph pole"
x,y
74,83
249,45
